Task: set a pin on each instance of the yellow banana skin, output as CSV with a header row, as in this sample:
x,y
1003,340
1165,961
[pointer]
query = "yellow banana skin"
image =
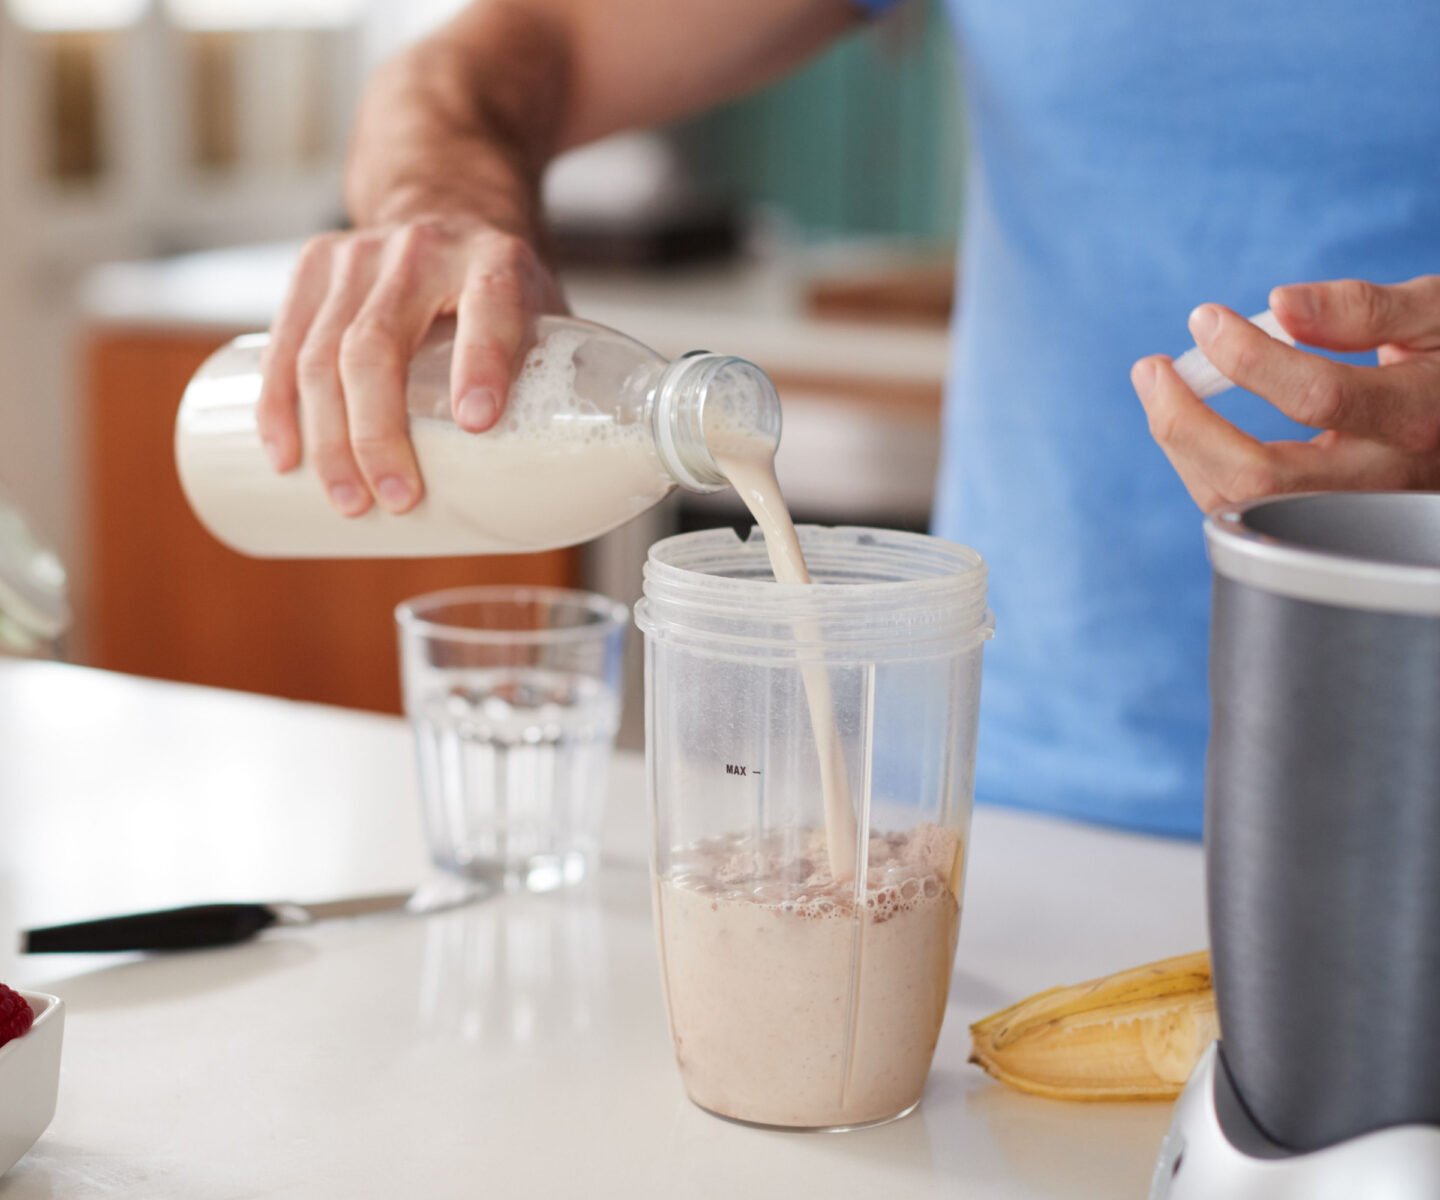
x,y
1135,1035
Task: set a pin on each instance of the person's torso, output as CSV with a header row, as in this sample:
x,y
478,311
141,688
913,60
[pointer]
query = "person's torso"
x,y
1127,162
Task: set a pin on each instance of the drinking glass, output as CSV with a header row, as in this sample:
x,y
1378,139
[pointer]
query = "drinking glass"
x,y
514,697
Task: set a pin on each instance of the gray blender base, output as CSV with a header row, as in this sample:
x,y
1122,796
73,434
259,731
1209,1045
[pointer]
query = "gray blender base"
x,y
1198,1161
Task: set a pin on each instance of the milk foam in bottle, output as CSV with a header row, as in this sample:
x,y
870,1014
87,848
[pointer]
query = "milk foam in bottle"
x,y
597,428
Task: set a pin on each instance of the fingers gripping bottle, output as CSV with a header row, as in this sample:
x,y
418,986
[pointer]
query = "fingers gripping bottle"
x,y
597,428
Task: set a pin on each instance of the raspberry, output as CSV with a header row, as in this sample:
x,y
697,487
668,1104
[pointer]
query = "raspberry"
x,y
15,1015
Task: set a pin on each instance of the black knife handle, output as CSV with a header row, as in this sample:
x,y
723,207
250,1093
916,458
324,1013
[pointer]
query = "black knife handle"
x,y
169,929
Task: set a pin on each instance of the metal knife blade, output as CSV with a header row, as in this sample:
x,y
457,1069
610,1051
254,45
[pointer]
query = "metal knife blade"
x,y
291,913
434,895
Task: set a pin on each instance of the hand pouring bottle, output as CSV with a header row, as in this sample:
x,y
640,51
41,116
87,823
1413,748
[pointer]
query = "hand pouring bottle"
x,y
597,429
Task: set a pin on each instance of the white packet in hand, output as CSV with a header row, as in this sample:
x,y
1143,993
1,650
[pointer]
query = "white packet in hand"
x,y
1199,374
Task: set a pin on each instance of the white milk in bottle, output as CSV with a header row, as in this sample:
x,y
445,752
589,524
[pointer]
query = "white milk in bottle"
x,y
597,428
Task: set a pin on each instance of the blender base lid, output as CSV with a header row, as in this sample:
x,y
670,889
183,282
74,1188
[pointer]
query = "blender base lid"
x,y
1214,1150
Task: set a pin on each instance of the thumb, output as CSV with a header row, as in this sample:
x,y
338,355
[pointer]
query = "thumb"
x,y
1351,314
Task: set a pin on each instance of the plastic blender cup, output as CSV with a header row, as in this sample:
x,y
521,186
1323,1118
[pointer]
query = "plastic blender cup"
x,y
805,992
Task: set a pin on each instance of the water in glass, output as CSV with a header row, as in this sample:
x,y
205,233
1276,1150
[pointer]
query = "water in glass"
x,y
513,765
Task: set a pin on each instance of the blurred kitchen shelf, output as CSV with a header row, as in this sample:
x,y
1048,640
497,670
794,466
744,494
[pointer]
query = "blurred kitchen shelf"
x,y
755,306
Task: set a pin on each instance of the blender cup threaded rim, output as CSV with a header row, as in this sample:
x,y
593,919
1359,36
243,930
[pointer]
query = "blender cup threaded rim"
x,y
882,593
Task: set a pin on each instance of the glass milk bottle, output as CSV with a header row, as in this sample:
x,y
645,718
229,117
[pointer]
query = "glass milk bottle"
x,y
597,428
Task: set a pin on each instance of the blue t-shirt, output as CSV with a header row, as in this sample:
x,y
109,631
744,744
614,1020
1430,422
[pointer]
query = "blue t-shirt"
x,y
1128,160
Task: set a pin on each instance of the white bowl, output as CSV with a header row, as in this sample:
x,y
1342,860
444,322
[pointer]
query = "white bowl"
x,y
30,1079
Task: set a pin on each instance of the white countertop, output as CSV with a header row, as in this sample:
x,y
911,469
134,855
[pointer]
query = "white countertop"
x,y
514,1048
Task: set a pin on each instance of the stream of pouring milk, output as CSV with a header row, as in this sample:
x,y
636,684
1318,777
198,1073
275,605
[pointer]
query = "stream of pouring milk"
x,y
749,464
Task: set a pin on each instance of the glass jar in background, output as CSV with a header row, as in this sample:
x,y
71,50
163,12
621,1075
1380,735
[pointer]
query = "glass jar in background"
x,y
34,608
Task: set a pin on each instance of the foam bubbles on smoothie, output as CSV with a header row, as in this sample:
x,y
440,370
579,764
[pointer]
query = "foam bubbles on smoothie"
x,y
786,871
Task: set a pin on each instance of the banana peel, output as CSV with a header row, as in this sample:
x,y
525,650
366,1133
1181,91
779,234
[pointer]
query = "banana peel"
x,y
1135,1035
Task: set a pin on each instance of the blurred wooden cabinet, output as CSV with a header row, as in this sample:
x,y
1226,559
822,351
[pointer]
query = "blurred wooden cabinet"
x,y
165,599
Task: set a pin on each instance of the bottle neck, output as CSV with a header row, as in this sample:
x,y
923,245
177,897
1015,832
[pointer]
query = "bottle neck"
x,y
700,402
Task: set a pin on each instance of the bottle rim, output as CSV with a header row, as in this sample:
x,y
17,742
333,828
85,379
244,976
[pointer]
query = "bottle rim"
x,y
679,416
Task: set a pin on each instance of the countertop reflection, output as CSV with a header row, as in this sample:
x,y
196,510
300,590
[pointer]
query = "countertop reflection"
x,y
517,971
